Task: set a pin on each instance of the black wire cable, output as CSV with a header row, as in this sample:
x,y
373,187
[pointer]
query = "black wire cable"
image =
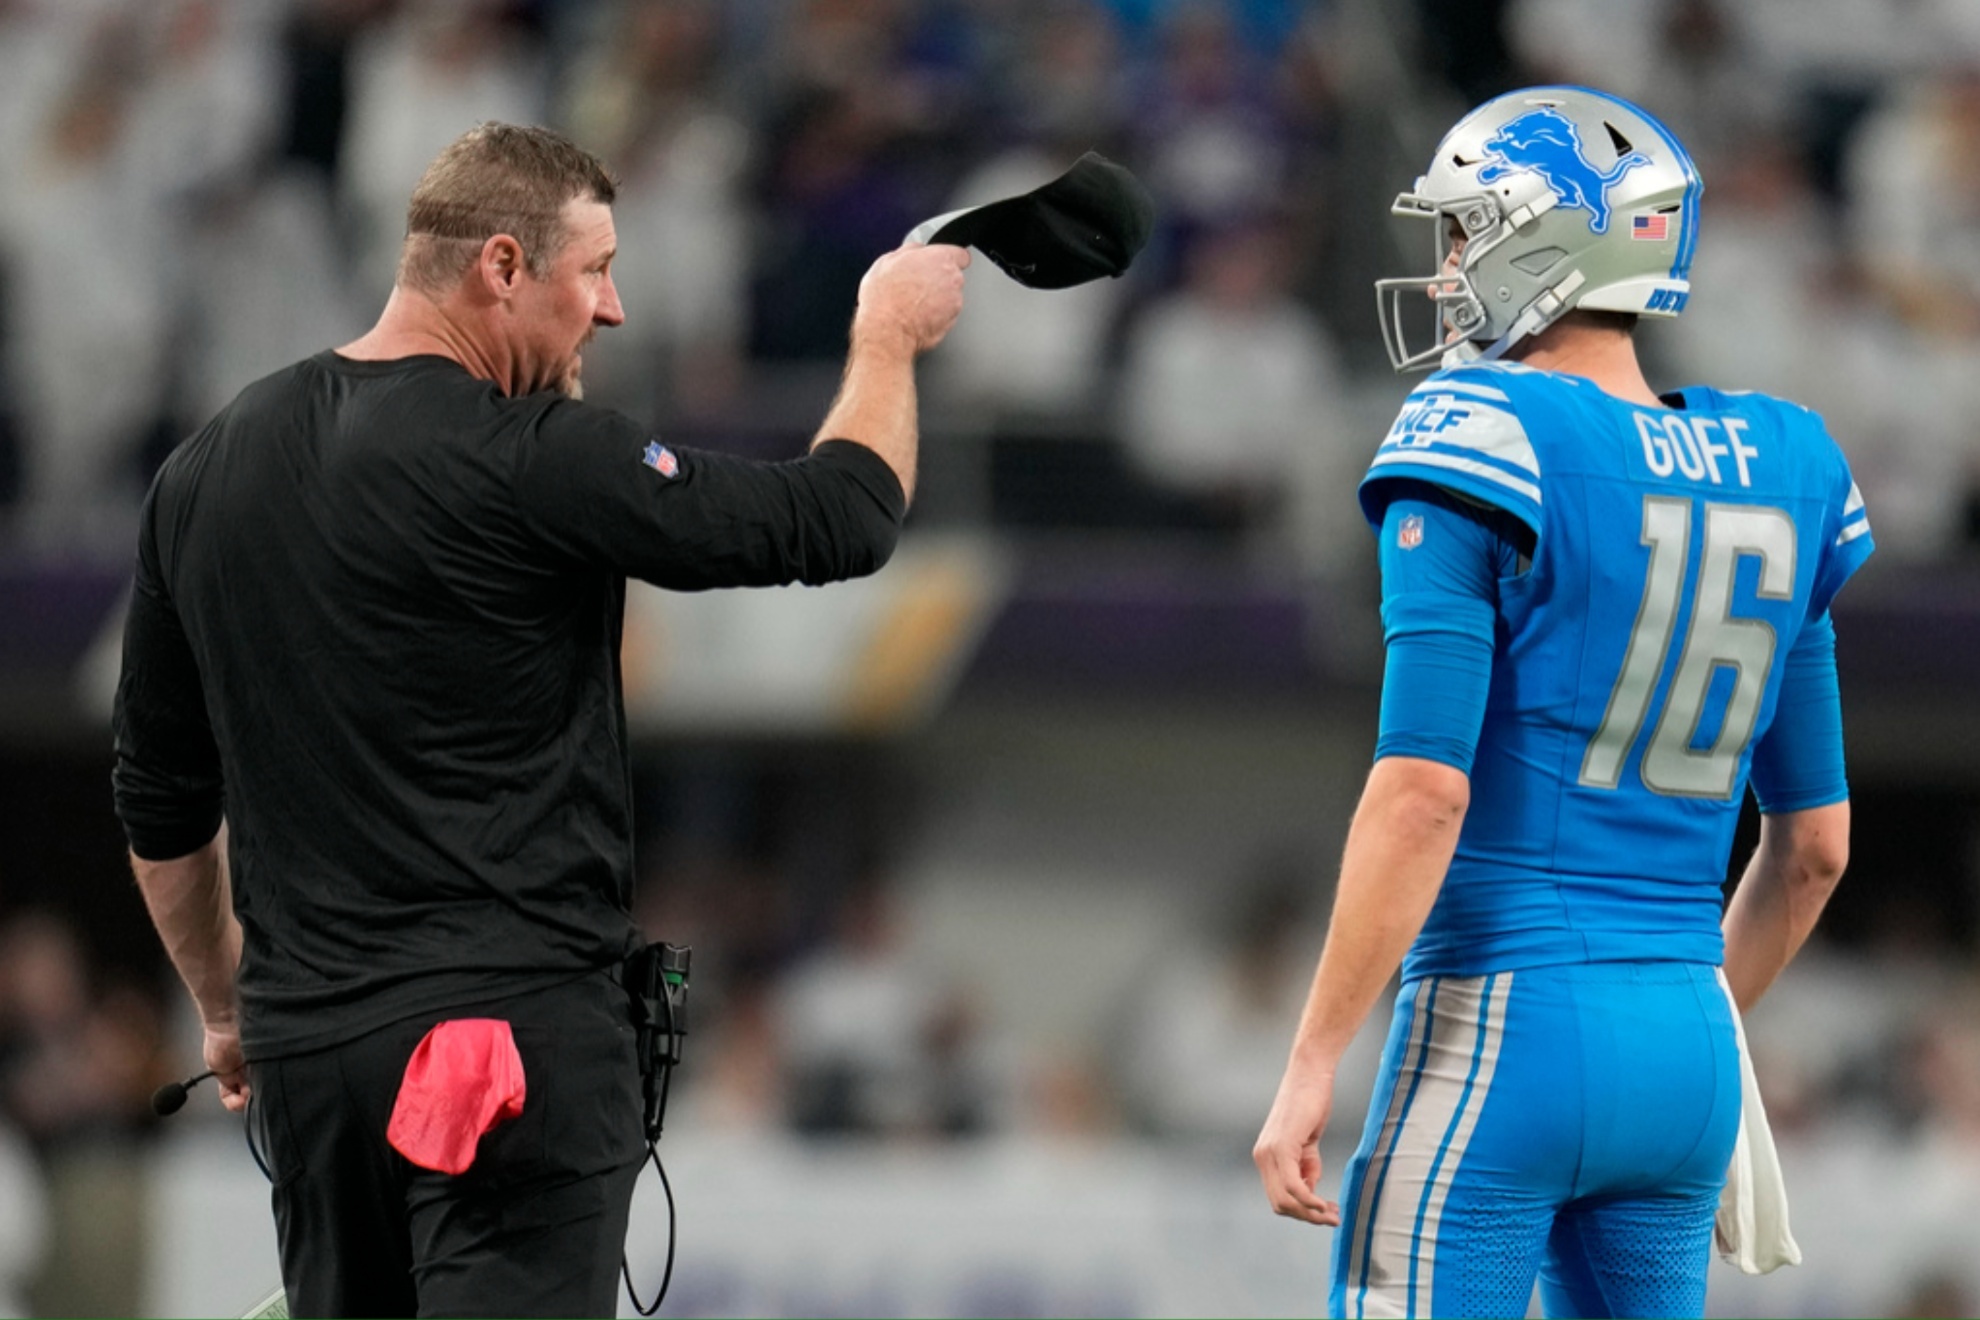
x,y
653,1154
247,1130
666,1278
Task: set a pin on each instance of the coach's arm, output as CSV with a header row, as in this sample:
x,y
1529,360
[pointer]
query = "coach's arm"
x,y
1404,834
170,796
1802,854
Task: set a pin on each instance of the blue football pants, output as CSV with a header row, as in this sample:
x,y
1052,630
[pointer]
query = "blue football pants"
x,y
1568,1123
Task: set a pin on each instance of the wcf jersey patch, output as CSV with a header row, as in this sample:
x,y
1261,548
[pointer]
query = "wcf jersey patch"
x,y
661,459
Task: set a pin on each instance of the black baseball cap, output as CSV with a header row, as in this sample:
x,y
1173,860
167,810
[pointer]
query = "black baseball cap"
x,y
1088,222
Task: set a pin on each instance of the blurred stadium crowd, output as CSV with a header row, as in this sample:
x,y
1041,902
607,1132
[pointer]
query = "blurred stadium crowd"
x,y
202,190
199,191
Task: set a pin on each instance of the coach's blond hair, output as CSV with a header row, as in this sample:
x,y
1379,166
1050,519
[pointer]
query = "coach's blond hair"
x,y
496,179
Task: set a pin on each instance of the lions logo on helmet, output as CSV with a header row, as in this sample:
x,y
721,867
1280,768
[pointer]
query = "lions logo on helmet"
x,y
1563,198
1547,142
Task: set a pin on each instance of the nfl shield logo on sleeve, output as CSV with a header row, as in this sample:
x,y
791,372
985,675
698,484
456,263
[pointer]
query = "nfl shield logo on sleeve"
x,y
661,459
1410,534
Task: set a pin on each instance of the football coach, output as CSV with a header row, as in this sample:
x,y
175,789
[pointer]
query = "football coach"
x,y
371,746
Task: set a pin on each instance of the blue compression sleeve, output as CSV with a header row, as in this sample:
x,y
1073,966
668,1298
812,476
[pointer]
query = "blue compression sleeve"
x,y
1441,561
1798,763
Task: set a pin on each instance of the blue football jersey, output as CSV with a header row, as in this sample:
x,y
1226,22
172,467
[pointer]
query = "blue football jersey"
x,y
1678,554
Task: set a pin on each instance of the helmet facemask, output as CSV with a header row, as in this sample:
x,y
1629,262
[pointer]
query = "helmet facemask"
x,y
1448,299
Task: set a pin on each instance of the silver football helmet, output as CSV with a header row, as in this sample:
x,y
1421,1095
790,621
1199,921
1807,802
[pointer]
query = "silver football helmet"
x,y
1566,198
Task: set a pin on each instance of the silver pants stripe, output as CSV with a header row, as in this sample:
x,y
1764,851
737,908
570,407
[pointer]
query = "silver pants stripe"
x,y
1424,1139
1373,1174
1498,991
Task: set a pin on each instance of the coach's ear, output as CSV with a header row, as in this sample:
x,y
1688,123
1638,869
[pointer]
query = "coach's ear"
x,y
501,265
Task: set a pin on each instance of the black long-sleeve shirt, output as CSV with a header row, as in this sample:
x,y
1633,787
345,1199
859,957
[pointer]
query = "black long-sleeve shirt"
x,y
376,621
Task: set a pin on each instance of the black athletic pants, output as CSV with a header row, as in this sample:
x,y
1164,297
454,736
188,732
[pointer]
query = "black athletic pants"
x,y
535,1227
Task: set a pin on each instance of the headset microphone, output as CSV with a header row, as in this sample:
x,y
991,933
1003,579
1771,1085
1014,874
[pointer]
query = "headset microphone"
x,y
171,1097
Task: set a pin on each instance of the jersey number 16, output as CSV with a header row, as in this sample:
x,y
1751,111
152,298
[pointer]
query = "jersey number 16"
x,y
1671,764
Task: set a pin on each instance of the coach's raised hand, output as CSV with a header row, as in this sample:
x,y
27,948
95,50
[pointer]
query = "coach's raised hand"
x,y
911,296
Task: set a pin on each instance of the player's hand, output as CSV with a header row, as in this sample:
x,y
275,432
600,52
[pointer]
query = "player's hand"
x,y
223,1055
910,297
1288,1149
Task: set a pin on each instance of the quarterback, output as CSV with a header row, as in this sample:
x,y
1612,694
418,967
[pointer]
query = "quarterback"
x,y
1606,612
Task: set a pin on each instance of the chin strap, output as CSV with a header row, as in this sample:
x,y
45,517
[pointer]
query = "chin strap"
x,y
1542,312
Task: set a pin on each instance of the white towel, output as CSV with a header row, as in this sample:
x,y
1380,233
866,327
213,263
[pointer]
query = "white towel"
x,y
1752,1224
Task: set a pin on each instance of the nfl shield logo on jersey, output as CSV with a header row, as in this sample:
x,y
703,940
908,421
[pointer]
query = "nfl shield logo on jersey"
x,y
1410,534
661,459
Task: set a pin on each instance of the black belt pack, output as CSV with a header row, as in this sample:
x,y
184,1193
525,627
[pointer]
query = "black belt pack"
x,y
656,980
